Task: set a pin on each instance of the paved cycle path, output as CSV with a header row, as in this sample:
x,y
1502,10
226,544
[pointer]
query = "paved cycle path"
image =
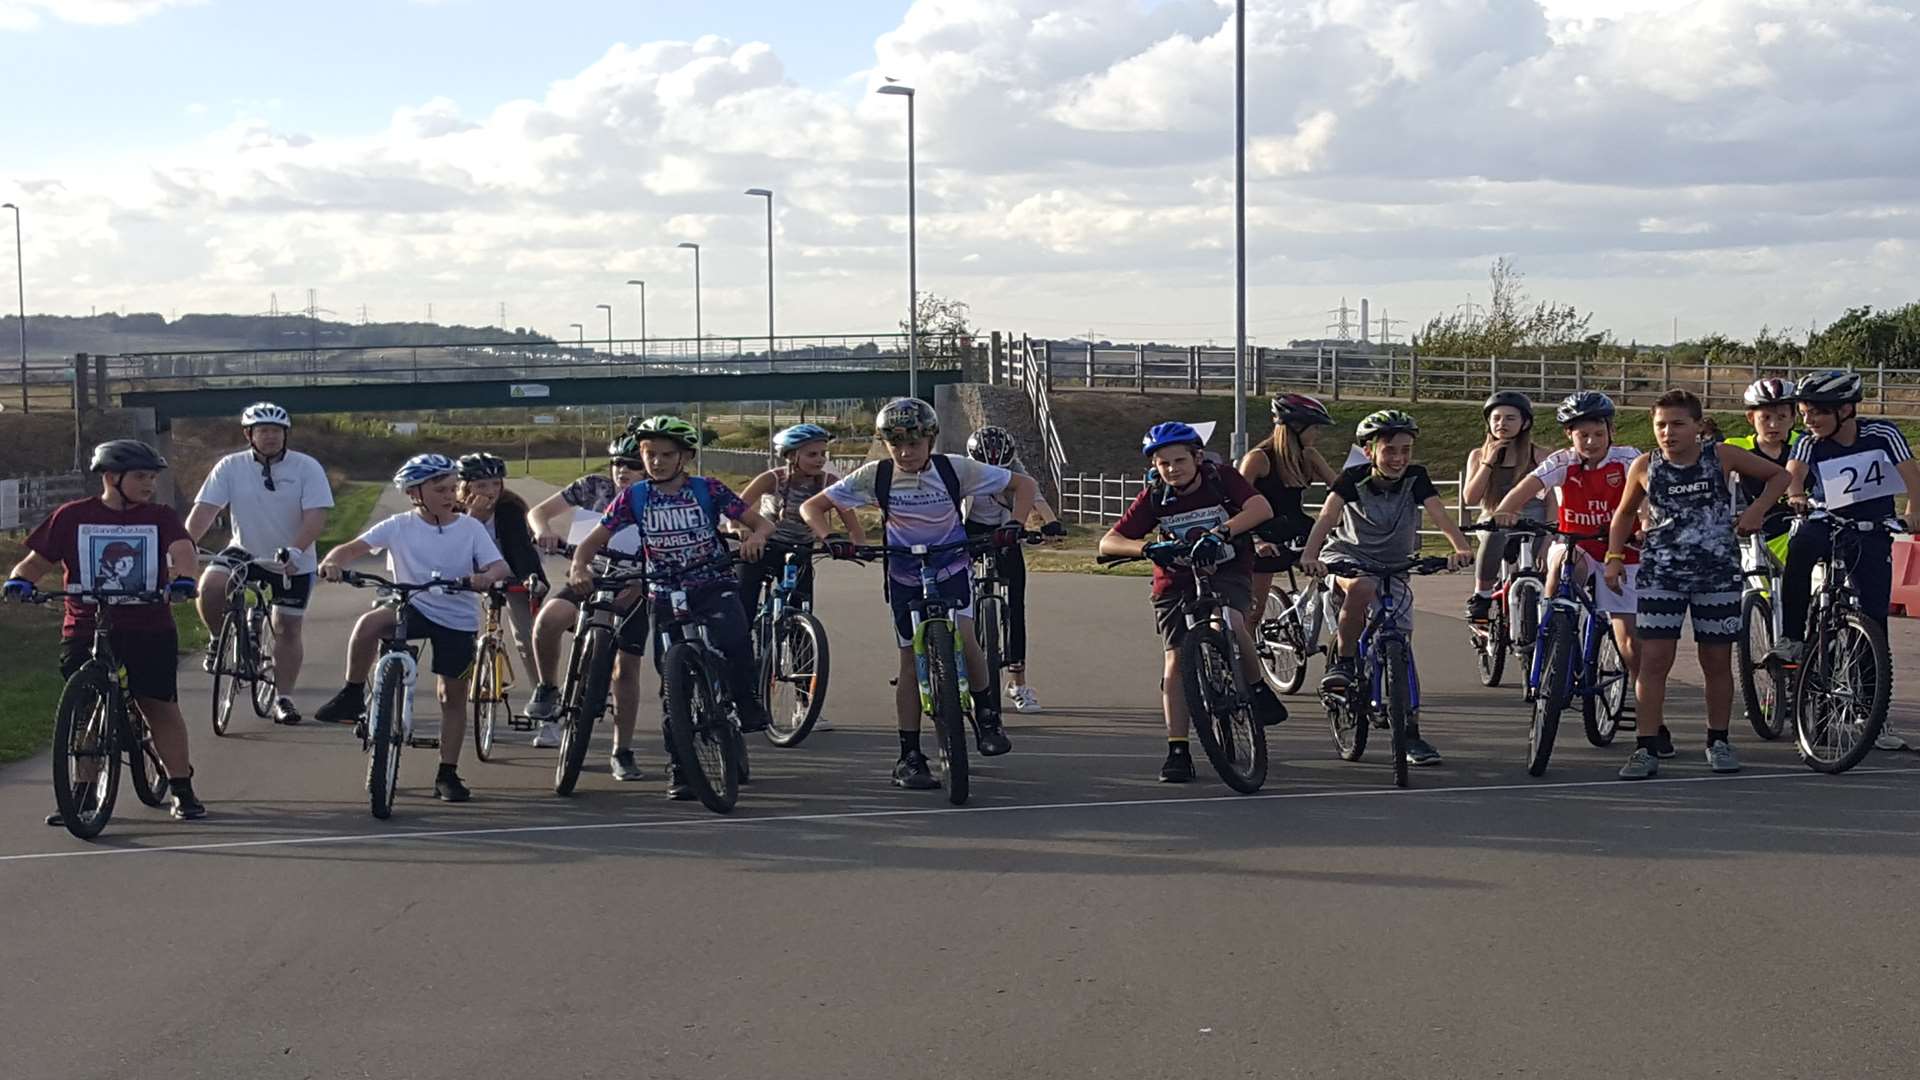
x,y
1076,919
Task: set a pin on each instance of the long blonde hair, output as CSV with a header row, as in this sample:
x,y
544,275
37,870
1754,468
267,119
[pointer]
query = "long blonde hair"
x,y
1288,456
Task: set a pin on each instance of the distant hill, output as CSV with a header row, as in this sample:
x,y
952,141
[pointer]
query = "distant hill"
x,y
52,338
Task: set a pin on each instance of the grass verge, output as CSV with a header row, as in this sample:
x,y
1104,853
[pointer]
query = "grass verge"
x,y
352,505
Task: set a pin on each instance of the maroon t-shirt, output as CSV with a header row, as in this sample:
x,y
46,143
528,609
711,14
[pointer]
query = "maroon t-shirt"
x,y
100,547
1219,494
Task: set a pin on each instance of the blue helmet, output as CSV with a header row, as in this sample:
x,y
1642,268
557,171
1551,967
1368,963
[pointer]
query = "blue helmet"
x,y
799,435
1171,433
422,468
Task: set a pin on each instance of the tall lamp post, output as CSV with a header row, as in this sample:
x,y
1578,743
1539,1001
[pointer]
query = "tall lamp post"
x,y
768,195
580,333
20,275
643,317
913,270
608,308
699,346
1240,229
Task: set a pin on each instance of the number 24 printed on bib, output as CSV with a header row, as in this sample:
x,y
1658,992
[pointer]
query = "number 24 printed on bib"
x,y
1858,478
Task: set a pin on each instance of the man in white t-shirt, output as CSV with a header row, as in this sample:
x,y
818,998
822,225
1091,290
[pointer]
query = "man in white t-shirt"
x,y
277,498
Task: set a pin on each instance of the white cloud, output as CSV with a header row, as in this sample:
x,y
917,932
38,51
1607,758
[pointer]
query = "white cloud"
x,y
27,14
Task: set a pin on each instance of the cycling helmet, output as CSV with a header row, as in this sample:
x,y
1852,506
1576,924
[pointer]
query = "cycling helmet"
x,y
1171,433
624,448
1584,405
1829,388
1768,391
1386,422
666,427
1513,399
906,419
421,468
799,435
126,455
482,466
1300,409
265,412
993,445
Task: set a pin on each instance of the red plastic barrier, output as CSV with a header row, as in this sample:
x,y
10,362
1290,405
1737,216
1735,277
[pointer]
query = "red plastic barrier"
x,y
1906,577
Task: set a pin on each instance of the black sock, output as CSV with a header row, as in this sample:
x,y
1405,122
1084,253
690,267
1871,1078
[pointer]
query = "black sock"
x,y
986,703
1413,731
1178,746
1714,736
909,743
1646,742
355,688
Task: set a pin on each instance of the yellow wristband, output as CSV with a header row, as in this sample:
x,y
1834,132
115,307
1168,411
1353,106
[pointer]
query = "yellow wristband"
x,y
1617,556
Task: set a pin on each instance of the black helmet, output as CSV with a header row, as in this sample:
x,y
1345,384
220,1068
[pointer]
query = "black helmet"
x,y
482,466
1830,388
1513,399
993,446
126,455
1584,405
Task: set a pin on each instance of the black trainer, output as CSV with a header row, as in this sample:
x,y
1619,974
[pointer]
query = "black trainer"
x,y
345,707
911,772
1178,768
182,804
1339,674
1267,705
447,786
1479,607
991,735
753,715
677,787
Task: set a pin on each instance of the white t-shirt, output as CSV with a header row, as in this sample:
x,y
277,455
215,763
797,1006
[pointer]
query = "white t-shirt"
x,y
417,550
266,521
921,510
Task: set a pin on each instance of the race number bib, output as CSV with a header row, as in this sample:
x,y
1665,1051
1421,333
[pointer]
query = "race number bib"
x,y
1858,478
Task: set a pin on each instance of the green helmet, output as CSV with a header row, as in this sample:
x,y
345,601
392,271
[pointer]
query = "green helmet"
x,y
1386,422
666,427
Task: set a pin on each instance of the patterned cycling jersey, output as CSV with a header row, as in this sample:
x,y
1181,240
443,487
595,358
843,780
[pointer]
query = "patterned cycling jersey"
x,y
1588,493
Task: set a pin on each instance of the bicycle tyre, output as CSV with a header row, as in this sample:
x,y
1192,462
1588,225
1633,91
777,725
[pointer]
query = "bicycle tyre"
x,y
84,715
949,720
1490,648
990,622
1817,682
576,730
1219,711
1759,681
226,669
143,762
697,733
1397,687
1347,719
263,685
1600,711
1284,663
485,695
385,739
1556,690
1526,621
799,644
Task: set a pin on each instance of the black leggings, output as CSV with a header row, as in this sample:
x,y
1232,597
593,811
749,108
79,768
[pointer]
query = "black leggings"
x,y
1011,564
1872,575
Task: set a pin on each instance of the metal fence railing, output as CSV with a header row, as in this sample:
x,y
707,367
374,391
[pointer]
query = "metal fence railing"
x,y
1101,499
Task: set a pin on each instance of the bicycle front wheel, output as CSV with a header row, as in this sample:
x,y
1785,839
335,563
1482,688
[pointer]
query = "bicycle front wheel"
x,y
1556,689
1490,647
487,699
143,761
1600,711
1396,687
226,670
86,761
264,686
990,622
794,678
949,720
384,736
1220,709
699,735
1759,681
590,700
1840,697
1283,648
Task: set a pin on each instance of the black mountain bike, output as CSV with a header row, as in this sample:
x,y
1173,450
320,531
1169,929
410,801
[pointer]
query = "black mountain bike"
x,y
790,650
702,725
1845,679
596,635
242,653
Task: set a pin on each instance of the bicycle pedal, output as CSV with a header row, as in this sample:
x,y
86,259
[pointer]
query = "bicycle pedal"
x,y
424,742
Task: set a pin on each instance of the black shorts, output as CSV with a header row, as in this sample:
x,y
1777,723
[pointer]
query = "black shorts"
x,y
1171,620
151,657
631,634
290,596
453,650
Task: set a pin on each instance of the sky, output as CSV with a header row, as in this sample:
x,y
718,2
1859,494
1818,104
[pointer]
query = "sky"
x,y
1731,165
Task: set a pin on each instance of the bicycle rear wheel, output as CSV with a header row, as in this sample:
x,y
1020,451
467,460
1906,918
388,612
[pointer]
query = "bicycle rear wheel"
x,y
1397,689
384,736
1283,650
590,700
1600,711
1840,696
143,761
264,687
949,720
489,703
1219,709
794,678
1556,689
990,623
86,760
699,735
1347,718
226,670
1759,681
1490,648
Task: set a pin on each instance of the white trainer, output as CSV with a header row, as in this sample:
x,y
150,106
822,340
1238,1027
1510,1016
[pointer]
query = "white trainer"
x,y
1023,698
548,737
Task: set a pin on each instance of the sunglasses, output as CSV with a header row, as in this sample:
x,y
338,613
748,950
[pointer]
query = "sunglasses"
x,y
629,463
266,474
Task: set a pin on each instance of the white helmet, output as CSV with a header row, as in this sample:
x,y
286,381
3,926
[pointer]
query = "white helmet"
x,y
265,412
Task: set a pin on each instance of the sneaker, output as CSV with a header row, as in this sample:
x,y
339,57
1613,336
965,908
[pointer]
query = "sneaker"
x,y
1663,743
1178,768
1786,653
677,787
991,736
1268,706
181,803
1889,739
548,737
752,714
448,788
55,819
1023,698
346,707
911,772
825,723
1479,605
624,766
1339,675
1421,752
1720,757
544,704
284,712
1641,765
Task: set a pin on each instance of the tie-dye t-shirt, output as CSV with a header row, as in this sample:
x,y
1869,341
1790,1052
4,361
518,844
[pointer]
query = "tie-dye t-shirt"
x,y
682,544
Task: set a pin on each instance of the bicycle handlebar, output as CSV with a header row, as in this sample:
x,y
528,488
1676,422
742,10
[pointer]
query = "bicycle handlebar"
x,y
1528,525
361,580
1430,564
971,544
1893,525
75,592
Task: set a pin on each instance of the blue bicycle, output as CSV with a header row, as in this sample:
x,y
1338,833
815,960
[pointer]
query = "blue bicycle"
x,y
1577,657
1387,693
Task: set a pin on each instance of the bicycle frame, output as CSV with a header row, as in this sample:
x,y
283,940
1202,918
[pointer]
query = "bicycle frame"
x,y
1573,596
1382,625
931,608
395,646
1763,574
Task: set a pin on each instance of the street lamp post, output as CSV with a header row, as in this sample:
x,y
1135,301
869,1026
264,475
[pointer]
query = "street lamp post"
x,y
643,317
768,195
1240,229
20,274
699,348
580,333
608,308
913,271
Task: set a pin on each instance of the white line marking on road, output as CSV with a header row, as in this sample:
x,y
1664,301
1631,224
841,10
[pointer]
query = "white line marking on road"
x,y
715,821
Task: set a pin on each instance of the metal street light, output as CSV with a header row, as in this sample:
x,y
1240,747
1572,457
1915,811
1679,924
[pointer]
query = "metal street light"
x,y
913,271
768,195
581,331
1240,229
20,273
643,317
608,308
699,340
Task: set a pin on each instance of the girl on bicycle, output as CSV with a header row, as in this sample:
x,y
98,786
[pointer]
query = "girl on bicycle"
x,y
1281,469
483,495
1506,455
996,446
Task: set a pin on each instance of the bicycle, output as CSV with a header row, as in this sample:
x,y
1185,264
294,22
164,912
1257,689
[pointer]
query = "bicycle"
x,y
96,720
1219,706
1289,632
1762,682
492,672
388,726
702,724
790,651
1513,617
596,635
242,651
1577,656
1387,693
1834,725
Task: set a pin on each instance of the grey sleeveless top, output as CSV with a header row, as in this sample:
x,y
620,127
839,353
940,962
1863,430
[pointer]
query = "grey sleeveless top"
x,y
1690,543
782,505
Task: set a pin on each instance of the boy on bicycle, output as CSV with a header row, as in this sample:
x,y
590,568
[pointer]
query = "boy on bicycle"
x,y
149,550
1852,468
1372,515
1209,512
996,446
1769,405
678,517
920,495
433,540
1689,562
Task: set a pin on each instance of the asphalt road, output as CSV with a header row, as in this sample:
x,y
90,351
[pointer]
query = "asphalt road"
x,y
1076,919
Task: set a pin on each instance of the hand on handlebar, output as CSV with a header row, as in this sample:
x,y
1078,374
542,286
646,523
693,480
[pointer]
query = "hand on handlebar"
x,y
1055,532
580,578
843,549
182,588
1459,560
1166,553
1506,519
331,571
752,546
1007,536
1800,503
19,588
549,542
